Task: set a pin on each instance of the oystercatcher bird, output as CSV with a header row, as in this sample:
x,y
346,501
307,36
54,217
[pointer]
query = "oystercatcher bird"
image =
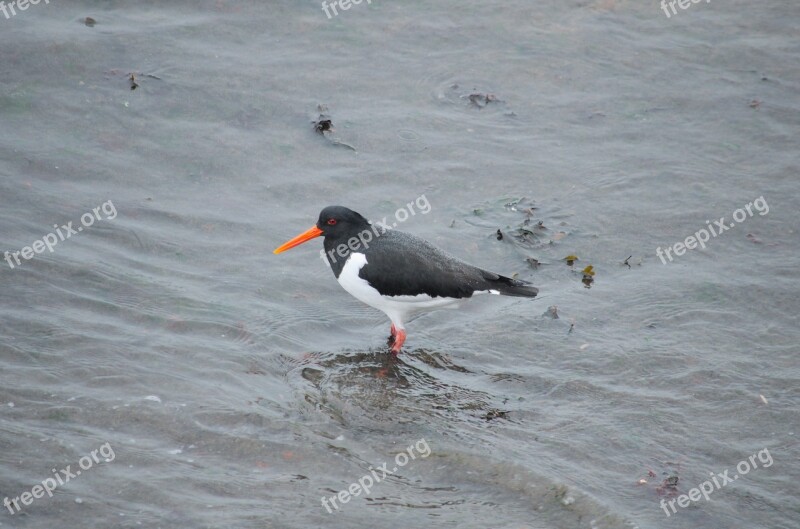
x,y
398,273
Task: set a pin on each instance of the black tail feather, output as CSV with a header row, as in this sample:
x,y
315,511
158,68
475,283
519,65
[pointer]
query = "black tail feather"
x,y
510,287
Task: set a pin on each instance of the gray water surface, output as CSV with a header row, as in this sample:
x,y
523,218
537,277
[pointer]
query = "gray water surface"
x,y
238,388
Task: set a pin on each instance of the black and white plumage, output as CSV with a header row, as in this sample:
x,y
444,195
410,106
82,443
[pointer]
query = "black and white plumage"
x,y
398,273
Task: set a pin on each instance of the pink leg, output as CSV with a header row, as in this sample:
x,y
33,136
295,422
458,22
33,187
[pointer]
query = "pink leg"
x,y
394,330
399,338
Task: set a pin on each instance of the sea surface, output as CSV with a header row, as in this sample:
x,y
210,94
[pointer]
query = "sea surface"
x,y
220,386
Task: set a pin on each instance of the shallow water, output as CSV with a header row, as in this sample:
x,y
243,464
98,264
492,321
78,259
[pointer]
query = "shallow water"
x,y
238,388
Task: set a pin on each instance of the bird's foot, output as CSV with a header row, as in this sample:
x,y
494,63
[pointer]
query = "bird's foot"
x,y
399,338
392,336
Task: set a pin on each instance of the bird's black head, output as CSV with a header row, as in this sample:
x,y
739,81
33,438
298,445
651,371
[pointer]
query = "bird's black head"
x,y
339,222
336,223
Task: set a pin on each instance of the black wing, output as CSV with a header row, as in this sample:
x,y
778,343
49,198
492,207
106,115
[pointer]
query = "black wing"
x,y
399,264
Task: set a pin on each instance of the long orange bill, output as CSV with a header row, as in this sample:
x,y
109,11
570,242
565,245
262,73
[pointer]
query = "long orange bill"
x,y
300,239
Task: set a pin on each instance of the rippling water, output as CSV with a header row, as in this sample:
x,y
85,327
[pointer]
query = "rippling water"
x,y
238,388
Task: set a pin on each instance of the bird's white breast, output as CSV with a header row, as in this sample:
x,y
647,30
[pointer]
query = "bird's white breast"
x,y
396,307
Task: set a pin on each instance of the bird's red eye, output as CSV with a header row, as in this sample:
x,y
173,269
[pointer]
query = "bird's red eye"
x,y
331,222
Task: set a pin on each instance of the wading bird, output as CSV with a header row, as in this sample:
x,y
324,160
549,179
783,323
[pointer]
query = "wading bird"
x,y
398,273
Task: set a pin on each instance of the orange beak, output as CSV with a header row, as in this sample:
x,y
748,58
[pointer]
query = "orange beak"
x,y
300,239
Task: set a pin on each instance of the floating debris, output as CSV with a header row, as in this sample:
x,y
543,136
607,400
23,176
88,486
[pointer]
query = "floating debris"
x,y
132,78
552,312
668,486
512,205
481,100
533,262
626,261
495,414
525,228
324,124
764,399
89,21
539,225
588,276
525,234
499,235
570,259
